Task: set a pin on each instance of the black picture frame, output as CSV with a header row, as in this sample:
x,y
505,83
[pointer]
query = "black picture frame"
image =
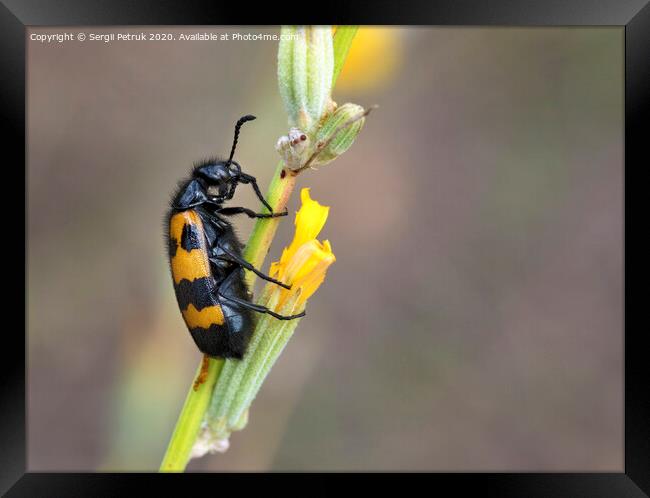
x,y
633,15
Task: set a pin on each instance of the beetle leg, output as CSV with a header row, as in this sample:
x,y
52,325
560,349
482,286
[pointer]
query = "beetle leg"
x,y
245,178
245,264
259,308
229,211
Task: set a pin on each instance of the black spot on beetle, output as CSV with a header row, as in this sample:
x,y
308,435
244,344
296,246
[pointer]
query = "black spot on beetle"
x,y
199,292
172,246
190,237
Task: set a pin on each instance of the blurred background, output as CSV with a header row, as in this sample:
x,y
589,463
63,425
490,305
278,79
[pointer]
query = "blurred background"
x,y
473,318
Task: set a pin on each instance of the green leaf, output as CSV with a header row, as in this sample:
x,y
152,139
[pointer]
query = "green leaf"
x,y
342,42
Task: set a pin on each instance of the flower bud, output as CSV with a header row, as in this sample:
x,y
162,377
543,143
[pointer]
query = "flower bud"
x,y
293,148
343,136
305,69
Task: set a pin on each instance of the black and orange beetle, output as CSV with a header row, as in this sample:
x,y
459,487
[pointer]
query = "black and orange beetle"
x,y
206,257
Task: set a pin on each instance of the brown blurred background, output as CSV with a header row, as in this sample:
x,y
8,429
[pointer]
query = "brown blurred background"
x,y
473,319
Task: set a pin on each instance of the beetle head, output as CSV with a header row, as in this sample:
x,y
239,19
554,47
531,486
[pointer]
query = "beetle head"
x,y
220,179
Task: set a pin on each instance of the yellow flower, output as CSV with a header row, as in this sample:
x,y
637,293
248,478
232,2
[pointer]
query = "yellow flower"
x,y
373,60
304,263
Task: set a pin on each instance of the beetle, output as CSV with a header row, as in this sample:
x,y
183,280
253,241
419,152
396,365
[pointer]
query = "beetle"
x,y
206,259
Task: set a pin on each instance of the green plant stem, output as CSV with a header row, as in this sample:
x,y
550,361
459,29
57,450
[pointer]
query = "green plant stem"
x,y
265,356
259,242
235,392
189,421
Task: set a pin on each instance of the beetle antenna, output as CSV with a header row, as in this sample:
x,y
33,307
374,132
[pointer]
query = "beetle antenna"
x,y
239,124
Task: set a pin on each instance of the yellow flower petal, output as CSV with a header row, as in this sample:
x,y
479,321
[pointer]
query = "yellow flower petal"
x,y
304,263
306,269
317,264
310,219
